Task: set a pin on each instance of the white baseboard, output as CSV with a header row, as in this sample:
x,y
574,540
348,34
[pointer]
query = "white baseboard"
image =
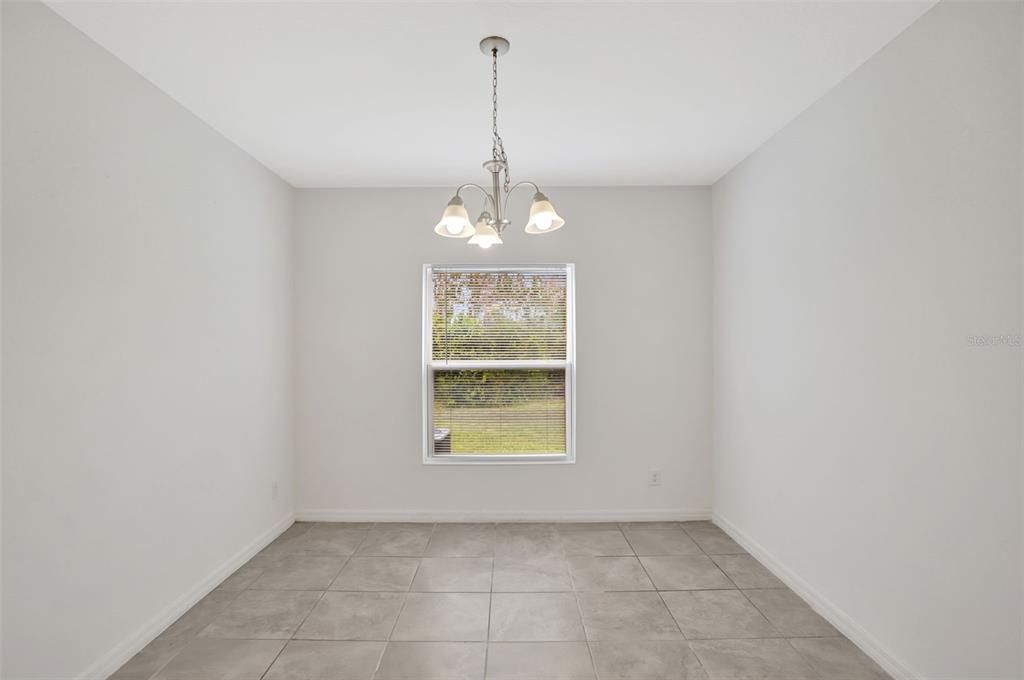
x,y
501,516
819,603
116,657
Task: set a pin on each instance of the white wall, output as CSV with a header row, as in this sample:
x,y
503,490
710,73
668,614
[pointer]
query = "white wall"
x,y
2,674
1020,199
860,442
643,277
146,352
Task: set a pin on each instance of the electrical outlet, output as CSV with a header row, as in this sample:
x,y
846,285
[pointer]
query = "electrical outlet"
x,y
655,478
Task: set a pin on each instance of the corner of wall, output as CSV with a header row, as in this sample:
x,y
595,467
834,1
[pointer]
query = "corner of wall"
x,y
842,621
115,658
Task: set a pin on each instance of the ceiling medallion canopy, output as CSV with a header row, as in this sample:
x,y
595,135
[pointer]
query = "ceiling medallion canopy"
x,y
491,224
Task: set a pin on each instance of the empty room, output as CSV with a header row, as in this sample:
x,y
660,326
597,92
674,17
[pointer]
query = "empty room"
x,y
512,340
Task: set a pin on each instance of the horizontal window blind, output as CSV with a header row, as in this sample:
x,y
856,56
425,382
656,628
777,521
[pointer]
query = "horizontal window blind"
x,y
500,411
498,353
495,315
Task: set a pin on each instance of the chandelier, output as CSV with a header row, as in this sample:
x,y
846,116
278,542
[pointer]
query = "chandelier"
x,y
490,225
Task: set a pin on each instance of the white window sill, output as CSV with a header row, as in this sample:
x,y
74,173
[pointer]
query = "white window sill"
x,y
498,460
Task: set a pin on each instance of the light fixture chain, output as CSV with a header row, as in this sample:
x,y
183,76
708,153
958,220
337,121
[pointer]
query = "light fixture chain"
x,y
497,147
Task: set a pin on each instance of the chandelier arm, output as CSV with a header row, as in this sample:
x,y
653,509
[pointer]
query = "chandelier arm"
x,y
490,199
515,186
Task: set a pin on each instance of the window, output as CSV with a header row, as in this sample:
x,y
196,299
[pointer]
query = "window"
x,y
498,364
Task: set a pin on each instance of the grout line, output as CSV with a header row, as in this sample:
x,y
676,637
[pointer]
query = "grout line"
x,y
523,642
579,610
751,603
348,558
292,637
161,667
405,601
490,606
747,597
323,594
664,604
234,595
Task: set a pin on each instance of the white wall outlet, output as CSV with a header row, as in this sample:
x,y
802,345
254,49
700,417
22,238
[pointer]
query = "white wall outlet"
x,y
655,478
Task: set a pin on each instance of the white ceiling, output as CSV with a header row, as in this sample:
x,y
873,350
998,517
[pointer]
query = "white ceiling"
x,y
397,94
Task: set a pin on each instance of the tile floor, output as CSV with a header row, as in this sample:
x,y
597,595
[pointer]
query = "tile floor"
x,y
644,601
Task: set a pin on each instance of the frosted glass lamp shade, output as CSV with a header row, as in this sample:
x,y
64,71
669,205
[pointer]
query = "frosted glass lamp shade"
x,y
543,217
455,221
485,235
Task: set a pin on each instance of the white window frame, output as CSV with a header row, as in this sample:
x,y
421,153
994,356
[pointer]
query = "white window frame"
x,y
430,365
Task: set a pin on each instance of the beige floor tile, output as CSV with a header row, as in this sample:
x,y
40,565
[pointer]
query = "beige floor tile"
x,y
377,574
564,527
593,541
527,541
535,617
352,616
711,539
453,575
789,614
715,614
443,617
298,572
639,660
539,660
357,526
326,660
838,659
685,572
608,574
397,540
629,526
263,615
200,615
203,659
151,659
243,577
328,539
462,540
531,575
660,540
746,572
528,527
282,544
532,616
433,661
627,616
752,660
